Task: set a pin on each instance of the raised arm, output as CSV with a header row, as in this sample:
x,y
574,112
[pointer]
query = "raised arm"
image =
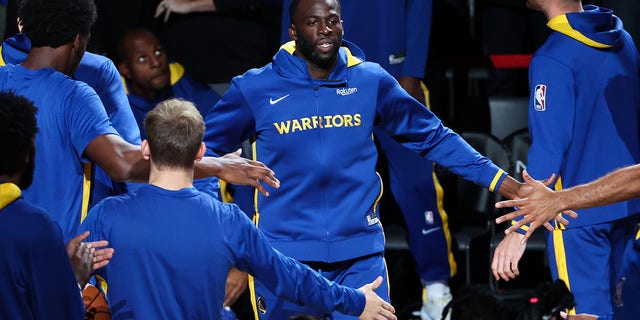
x,y
544,204
123,162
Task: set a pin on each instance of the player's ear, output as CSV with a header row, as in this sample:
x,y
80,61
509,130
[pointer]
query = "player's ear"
x,y
144,148
201,152
76,41
124,70
292,32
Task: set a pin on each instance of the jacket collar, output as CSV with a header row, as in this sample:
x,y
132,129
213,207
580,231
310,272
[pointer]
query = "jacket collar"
x,y
291,66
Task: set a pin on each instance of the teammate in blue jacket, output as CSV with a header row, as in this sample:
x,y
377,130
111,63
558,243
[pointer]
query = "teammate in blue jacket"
x,y
176,245
399,42
583,120
311,114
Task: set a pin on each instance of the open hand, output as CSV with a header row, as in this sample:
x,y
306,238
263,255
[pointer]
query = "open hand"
x,y
375,307
539,207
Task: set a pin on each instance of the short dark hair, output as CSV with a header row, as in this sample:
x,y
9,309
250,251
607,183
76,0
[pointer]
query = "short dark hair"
x,y
174,131
52,23
293,7
122,50
18,128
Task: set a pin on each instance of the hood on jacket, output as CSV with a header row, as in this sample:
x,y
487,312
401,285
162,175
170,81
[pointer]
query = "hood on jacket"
x,y
596,27
290,66
15,49
9,192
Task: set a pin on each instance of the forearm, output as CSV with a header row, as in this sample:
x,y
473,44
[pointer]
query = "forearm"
x,y
207,167
620,185
202,6
121,160
509,188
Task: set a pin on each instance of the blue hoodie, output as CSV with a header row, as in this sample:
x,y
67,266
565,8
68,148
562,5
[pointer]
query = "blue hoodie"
x,y
317,137
585,105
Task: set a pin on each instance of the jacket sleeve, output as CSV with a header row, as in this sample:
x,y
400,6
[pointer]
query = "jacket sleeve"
x,y
229,122
417,128
285,276
550,125
551,116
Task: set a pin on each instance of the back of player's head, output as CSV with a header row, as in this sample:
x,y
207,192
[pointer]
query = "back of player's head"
x,y
174,132
52,23
17,132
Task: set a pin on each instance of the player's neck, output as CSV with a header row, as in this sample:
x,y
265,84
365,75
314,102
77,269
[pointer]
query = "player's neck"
x,y
171,179
47,57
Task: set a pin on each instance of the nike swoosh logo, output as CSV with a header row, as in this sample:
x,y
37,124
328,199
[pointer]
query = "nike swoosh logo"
x,y
272,102
426,232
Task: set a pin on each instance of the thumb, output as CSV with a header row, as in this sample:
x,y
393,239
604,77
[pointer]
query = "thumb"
x,y
526,177
238,152
79,238
376,283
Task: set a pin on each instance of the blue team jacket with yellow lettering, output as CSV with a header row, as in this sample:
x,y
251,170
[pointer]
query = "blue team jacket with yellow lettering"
x,y
585,105
317,137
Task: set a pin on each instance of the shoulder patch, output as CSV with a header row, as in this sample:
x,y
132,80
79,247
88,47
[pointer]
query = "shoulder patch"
x,y
540,96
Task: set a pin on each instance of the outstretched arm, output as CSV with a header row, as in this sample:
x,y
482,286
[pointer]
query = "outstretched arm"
x,y
124,162
235,169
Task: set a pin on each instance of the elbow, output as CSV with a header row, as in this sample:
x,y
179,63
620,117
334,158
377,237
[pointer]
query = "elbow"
x,y
119,174
120,171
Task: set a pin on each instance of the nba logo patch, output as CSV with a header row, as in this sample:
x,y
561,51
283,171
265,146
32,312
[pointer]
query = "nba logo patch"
x,y
428,217
540,96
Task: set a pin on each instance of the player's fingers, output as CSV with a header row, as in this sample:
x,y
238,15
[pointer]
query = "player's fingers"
x,y
549,181
560,219
160,9
527,235
509,216
99,244
77,240
256,184
571,214
548,226
386,314
514,227
514,269
167,13
498,266
508,203
494,268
